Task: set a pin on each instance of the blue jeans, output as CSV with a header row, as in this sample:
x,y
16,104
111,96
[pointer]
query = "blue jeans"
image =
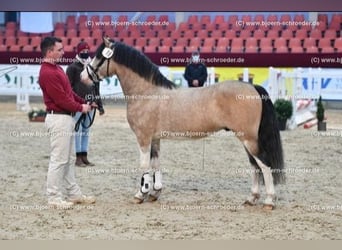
x,y
82,135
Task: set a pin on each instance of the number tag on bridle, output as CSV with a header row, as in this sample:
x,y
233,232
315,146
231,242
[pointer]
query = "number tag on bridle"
x,y
107,53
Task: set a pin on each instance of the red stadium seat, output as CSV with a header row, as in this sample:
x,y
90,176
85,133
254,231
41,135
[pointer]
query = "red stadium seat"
x,y
287,34
141,41
59,33
259,34
177,49
280,42
311,49
265,42
23,40
324,42
84,33
196,41
251,42
330,33
216,34
154,41
297,49
14,48
266,49
223,41
236,49
309,42
3,48
167,41
206,49
28,48
203,34
10,41
327,50
301,33
316,33
272,34
338,43
71,33
150,49
209,42
182,41
281,49
295,42
220,49
251,49
164,49
74,41
190,49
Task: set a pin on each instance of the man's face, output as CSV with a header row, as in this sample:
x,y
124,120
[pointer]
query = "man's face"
x,y
56,53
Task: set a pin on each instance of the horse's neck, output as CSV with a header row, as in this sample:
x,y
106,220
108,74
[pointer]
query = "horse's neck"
x,y
132,83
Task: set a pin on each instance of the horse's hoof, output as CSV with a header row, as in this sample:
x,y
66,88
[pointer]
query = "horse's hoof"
x,y
248,203
137,200
152,198
268,207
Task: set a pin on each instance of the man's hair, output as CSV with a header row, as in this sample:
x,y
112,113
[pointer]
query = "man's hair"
x,y
48,43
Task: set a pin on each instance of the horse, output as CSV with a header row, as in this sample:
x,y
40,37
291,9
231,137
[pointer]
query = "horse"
x,y
158,109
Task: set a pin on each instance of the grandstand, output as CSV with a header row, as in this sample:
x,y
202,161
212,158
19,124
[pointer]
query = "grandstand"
x,y
173,33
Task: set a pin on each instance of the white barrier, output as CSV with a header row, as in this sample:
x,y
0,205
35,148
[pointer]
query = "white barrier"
x,y
304,84
22,81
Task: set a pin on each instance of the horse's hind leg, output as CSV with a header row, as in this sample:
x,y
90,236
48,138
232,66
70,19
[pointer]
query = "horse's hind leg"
x,y
252,148
255,195
157,175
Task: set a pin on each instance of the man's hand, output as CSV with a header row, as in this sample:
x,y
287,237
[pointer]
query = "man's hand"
x,y
195,82
94,105
86,108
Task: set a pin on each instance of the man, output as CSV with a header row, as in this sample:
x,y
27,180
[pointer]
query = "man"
x,y
195,72
91,94
61,102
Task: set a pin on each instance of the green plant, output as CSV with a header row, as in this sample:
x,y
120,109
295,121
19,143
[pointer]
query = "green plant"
x,y
36,112
283,108
320,110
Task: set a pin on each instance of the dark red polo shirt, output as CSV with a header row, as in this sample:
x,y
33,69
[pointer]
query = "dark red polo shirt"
x,y
57,92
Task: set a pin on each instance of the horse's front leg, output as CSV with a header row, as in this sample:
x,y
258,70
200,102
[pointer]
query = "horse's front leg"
x,y
157,175
146,178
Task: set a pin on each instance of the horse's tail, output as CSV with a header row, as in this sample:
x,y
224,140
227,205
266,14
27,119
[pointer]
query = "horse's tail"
x,y
269,141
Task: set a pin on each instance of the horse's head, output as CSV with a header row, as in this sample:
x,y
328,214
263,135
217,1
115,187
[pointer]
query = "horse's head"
x,y
98,68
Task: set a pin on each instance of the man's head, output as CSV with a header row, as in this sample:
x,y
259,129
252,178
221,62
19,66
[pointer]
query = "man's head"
x,y
52,49
83,50
195,57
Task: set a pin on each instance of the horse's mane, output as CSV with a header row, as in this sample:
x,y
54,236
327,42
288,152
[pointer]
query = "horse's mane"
x,y
138,63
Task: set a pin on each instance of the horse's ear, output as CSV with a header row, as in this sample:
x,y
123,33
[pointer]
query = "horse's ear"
x,y
106,41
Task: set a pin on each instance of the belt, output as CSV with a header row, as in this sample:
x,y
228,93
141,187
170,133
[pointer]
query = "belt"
x,y
60,112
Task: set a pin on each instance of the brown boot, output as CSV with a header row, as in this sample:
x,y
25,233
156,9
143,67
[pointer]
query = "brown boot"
x,y
79,162
84,156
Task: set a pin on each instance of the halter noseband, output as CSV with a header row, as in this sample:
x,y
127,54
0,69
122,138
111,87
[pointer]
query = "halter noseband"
x,y
107,54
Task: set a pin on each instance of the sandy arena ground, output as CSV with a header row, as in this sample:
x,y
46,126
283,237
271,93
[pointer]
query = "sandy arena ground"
x,y
205,183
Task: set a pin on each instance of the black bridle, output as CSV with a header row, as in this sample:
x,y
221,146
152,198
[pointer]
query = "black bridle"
x,y
93,72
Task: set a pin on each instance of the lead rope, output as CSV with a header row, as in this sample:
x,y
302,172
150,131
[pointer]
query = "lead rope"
x,y
82,118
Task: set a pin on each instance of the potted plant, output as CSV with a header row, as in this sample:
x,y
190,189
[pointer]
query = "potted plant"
x,y
37,115
321,124
284,111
